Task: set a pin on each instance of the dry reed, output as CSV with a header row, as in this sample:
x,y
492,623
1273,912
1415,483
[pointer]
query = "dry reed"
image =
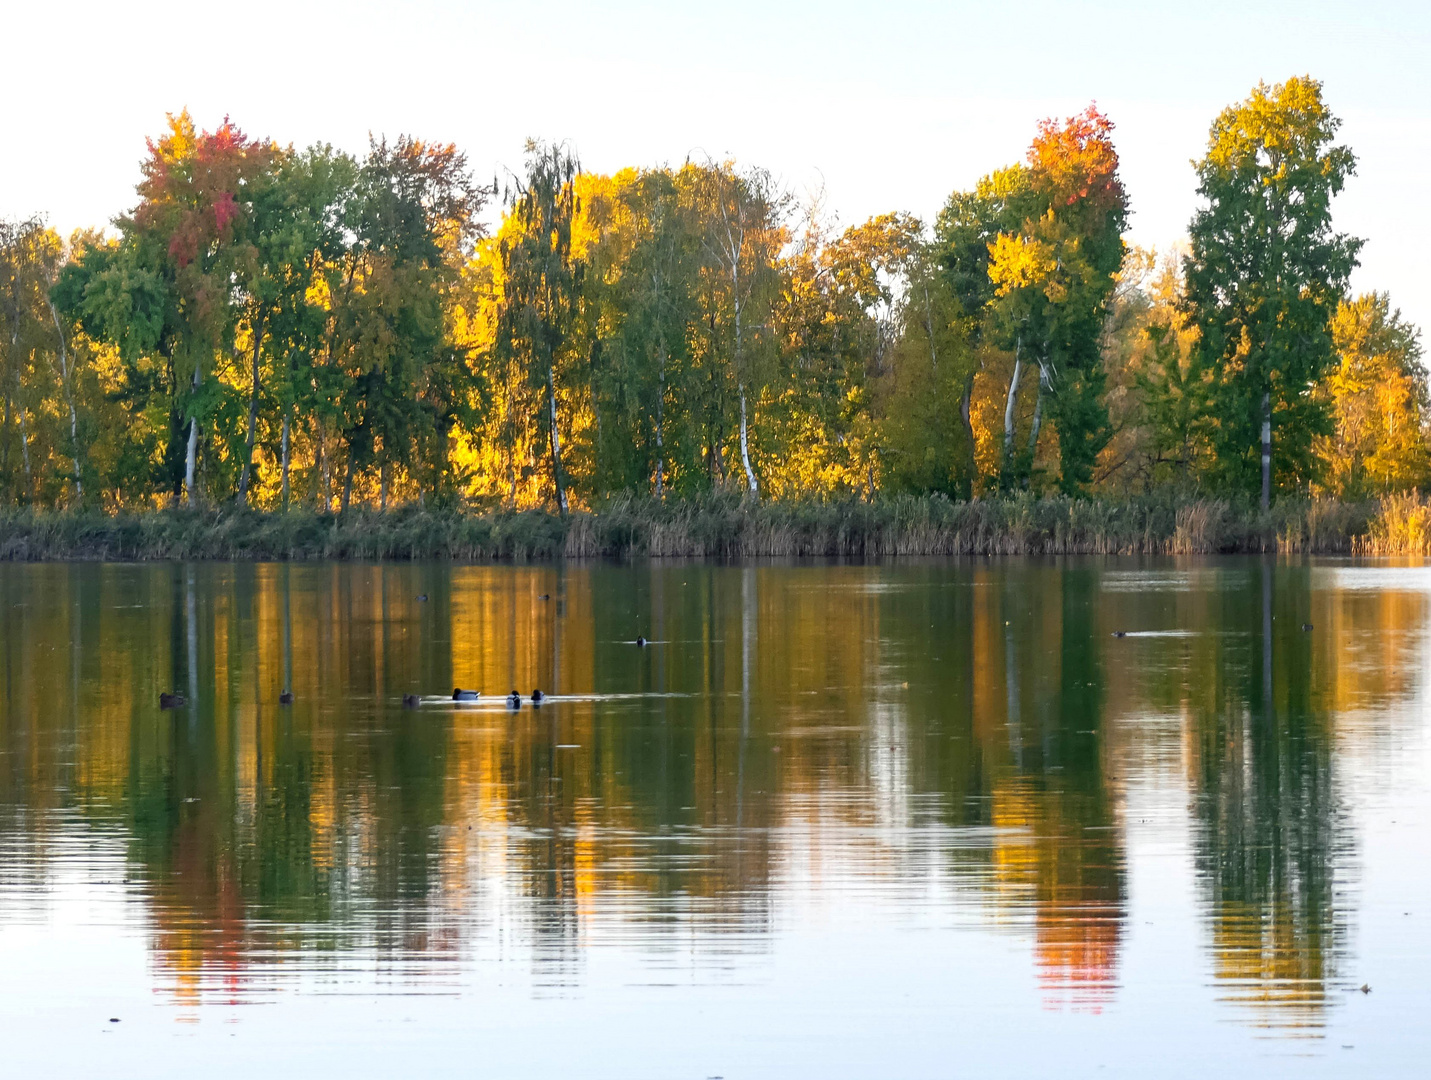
x,y
726,526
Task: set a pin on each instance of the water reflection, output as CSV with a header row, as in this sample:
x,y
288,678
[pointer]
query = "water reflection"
x,y
954,743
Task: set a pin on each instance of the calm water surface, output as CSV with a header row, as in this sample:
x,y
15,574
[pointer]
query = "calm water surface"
x,y
914,820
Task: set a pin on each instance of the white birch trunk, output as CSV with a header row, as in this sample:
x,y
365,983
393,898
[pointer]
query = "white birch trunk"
x,y
745,447
1011,402
191,455
1038,409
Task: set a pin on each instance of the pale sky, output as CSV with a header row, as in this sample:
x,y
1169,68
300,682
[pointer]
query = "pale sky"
x,y
888,106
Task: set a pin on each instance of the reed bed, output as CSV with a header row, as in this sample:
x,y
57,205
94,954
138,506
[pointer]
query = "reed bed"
x,y
1402,526
727,526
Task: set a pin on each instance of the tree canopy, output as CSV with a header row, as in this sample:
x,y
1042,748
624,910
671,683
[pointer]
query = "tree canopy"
x,y
275,326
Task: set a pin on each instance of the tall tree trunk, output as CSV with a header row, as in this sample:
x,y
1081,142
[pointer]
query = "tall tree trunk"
x,y
191,454
929,328
1266,450
283,468
439,467
1038,409
745,447
325,469
5,440
347,481
965,401
556,439
740,386
24,431
252,414
191,458
383,484
69,399
660,433
1010,404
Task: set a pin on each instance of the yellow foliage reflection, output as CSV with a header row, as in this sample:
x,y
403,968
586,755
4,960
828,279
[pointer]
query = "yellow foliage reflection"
x,y
795,735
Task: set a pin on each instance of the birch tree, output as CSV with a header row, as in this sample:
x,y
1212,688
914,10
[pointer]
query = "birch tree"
x,y
743,214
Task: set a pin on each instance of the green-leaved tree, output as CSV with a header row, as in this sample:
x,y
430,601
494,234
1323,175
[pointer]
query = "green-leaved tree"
x,y
1264,277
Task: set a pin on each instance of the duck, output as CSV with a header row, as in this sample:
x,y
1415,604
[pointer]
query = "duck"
x,y
537,697
170,701
1306,626
640,642
411,701
1120,633
465,695
545,596
514,700
286,698
422,598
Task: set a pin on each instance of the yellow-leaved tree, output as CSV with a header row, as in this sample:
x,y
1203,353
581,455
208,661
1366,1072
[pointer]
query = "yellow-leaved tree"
x,y
1378,398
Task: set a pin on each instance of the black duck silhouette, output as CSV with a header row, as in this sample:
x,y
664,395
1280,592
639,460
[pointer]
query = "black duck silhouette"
x,y
411,701
465,695
286,698
514,700
170,701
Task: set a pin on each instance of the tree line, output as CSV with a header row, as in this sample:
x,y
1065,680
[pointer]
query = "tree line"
x,y
280,327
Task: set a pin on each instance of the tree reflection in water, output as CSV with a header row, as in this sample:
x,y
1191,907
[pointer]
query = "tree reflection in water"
x,y
959,737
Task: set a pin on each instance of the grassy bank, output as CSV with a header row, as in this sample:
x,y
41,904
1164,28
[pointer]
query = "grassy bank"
x,y
729,527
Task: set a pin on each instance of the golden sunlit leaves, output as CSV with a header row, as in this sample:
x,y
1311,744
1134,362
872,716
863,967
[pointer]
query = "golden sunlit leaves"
x,y
1019,262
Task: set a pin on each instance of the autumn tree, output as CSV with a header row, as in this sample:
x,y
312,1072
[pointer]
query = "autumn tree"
x,y
742,215
175,288
642,281
926,435
839,318
393,377
1264,276
1051,282
1156,395
302,242
1377,394
27,252
541,287
965,232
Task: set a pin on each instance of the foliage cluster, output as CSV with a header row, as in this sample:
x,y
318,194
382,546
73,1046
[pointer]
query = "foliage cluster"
x,y
276,328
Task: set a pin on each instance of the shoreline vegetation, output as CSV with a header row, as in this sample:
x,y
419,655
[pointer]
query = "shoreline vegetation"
x,y
729,526
693,361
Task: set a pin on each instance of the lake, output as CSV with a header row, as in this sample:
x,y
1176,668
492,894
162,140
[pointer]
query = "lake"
x,y
914,819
